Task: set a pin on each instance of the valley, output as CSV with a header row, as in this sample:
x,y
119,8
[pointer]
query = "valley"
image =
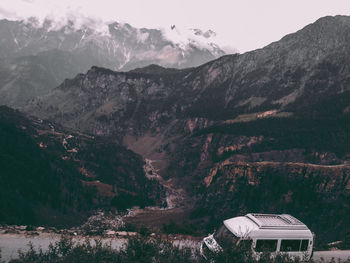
x,y
178,150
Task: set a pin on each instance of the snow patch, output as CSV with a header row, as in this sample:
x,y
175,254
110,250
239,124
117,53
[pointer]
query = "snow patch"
x,y
16,41
142,36
204,40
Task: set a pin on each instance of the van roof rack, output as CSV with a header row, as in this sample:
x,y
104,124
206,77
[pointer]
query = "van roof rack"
x,y
273,221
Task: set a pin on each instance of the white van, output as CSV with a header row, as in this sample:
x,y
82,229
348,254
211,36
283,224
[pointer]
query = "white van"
x,y
268,232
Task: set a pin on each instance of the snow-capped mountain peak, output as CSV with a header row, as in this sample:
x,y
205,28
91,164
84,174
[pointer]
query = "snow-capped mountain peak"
x,y
114,45
193,37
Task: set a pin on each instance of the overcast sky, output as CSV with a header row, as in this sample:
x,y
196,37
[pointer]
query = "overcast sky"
x,y
243,24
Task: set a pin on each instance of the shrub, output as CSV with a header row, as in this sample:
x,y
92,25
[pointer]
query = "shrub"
x,y
142,250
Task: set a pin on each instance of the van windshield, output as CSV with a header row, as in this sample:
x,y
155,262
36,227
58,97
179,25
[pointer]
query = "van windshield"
x,y
223,235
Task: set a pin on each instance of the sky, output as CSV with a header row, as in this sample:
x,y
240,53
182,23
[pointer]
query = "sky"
x,y
241,24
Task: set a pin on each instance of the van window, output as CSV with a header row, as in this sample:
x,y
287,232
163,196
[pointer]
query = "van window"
x,y
225,237
266,245
223,232
294,245
304,245
290,245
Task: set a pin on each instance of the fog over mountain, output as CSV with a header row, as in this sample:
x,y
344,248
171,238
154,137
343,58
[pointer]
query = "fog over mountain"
x,y
36,57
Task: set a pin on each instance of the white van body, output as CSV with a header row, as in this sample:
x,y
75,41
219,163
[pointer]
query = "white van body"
x,y
269,233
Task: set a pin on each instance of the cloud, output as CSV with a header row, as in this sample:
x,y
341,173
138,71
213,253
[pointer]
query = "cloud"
x,y
245,24
7,14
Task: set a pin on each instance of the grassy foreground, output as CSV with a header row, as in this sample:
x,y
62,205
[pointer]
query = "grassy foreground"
x,y
138,249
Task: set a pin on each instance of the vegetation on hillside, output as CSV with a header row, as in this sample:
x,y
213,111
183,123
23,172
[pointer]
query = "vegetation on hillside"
x,y
329,134
50,176
30,182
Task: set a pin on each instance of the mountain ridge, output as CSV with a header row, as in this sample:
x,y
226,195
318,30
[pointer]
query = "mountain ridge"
x,y
43,56
30,39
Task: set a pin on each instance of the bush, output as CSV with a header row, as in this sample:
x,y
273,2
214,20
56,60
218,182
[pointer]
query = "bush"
x,y
138,249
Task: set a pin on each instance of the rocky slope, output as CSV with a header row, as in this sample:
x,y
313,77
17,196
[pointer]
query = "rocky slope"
x,y
287,102
36,58
53,176
294,76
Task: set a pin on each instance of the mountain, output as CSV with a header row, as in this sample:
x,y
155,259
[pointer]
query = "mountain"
x,y
293,75
206,126
35,58
28,77
56,177
111,45
301,82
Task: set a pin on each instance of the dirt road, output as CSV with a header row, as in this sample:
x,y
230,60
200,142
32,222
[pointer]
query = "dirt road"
x,y
342,255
